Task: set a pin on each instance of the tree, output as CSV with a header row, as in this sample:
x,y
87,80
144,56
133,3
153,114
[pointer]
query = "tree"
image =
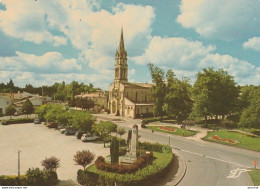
x,y
214,93
121,131
10,110
27,107
51,163
82,120
158,90
114,151
250,114
178,102
84,158
104,129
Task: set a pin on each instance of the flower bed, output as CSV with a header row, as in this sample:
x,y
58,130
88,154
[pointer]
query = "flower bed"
x,y
167,128
216,137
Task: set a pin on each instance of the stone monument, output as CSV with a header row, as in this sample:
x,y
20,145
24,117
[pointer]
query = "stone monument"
x,y
131,155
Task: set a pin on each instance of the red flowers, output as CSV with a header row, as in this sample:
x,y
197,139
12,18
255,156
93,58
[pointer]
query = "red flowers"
x,y
167,128
216,137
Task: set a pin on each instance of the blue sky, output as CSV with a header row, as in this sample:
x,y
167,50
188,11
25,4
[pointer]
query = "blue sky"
x,y
46,41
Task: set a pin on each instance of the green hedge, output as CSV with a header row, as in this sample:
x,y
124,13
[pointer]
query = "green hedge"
x,y
146,176
156,147
19,120
13,180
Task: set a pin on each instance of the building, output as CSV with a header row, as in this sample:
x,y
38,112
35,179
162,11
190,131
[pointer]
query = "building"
x,y
5,101
128,99
99,97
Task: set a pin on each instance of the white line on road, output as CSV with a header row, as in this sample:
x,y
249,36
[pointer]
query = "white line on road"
x,y
214,158
236,173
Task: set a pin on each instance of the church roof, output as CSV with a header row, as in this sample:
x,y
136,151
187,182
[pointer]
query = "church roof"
x,y
138,85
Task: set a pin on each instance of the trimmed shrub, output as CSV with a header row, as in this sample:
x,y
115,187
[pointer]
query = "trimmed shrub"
x,y
12,180
35,177
87,178
50,177
16,121
114,151
154,147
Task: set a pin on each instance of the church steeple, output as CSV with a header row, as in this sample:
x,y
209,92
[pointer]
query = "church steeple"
x,y
121,67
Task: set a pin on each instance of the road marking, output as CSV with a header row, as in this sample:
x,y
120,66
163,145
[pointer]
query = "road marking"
x,y
214,158
236,173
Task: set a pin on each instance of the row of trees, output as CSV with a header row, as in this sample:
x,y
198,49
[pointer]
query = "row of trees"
x,y
58,91
80,120
214,93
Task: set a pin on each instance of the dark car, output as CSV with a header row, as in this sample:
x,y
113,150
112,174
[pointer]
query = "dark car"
x,y
70,131
79,134
37,121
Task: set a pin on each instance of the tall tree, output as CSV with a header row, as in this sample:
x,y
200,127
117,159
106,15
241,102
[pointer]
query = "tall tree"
x,y
178,102
104,129
27,107
250,114
158,90
214,93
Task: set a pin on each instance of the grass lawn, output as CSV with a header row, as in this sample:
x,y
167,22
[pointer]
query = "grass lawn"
x,y
255,176
245,141
177,132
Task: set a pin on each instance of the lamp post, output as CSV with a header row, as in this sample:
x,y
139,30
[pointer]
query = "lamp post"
x,y
169,140
19,164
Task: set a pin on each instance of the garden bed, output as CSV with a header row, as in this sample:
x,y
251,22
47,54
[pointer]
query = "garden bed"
x,y
245,141
172,130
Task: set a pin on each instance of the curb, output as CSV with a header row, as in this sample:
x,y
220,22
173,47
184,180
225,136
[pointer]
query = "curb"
x,y
181,170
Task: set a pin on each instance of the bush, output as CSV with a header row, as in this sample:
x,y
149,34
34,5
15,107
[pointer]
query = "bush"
x,y
35,177
19,120
141,162
114,151
87,178
154,147
50,177
13,180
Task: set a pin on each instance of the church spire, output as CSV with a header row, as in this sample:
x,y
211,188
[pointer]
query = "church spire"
x,y
121,52
121,67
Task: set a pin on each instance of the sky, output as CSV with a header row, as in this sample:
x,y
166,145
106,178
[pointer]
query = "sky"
x,y
48,41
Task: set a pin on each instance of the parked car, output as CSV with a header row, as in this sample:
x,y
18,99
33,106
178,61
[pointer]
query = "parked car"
x,y
89,137
79,134
52,125
70,131
37,121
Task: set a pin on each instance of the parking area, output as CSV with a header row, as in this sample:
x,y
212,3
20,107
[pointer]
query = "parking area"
x,y
37,142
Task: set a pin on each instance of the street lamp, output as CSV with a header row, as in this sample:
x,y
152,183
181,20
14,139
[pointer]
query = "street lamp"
x,y
19,164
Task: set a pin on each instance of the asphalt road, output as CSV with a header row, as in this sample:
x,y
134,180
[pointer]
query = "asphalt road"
x,y
208,164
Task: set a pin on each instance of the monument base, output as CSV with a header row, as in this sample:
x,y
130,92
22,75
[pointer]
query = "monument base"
x,y
128,158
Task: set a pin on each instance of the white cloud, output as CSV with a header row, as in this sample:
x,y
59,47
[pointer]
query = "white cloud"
x,y
221,19
50,62
186,58
253,43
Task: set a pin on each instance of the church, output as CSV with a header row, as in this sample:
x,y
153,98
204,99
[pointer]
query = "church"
x,y
132,100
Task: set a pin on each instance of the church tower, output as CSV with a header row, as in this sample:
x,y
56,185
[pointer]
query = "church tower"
x,y
121,67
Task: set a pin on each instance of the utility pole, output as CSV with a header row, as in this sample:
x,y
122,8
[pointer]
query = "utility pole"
x,y
19,164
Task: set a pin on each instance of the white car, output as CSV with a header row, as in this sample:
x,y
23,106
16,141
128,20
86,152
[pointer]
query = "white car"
x,y
62,131
89,137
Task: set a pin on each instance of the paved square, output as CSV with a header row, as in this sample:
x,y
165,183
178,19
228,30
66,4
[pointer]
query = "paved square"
x,y
37,142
